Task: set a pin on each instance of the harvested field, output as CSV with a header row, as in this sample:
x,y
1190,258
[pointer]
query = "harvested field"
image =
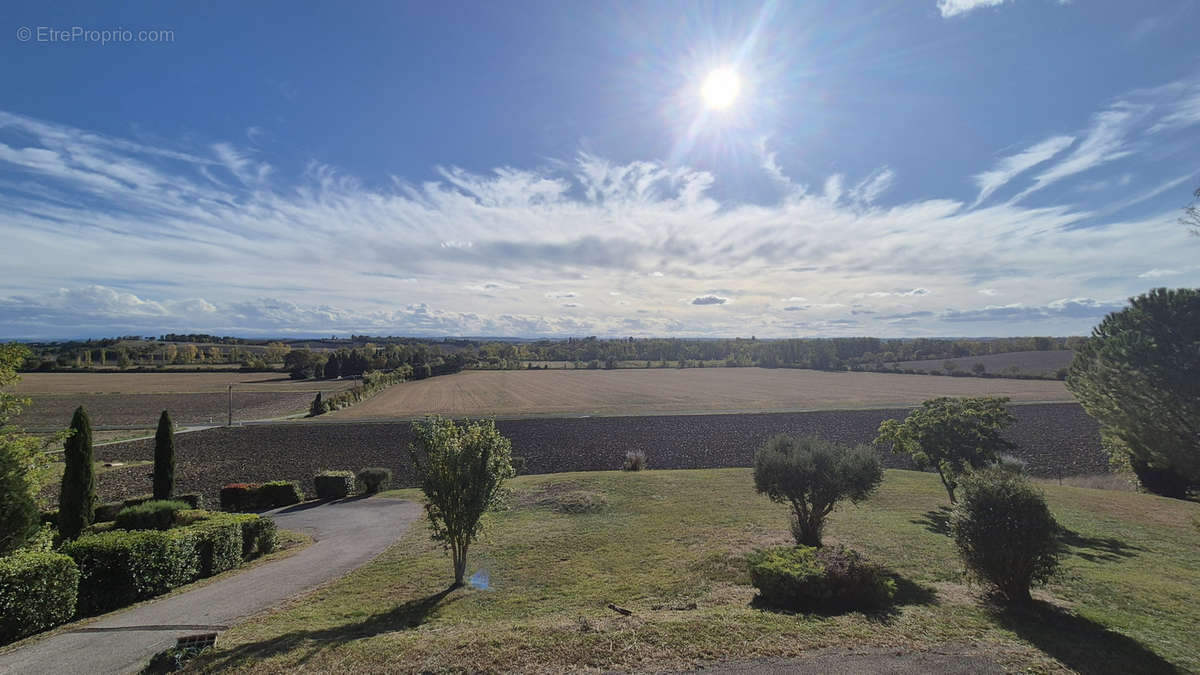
x,y
1055,439
142,410
1029,363
699,390
136,399
33,384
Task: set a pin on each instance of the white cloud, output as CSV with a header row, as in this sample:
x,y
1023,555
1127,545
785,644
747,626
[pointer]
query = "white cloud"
x,y
950,8
873,186
1106,140
1013,165
1158,274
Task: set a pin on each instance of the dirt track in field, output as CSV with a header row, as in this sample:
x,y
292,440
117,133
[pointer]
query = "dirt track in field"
x,y
697,390
1054,439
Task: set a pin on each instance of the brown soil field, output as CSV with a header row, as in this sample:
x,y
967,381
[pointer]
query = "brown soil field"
x,y
142,410
32,384
516,393
1054,439
1030,363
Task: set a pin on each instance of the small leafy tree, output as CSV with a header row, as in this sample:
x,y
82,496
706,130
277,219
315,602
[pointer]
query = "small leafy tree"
x,y
951,435
23,465
164,458
1138,376
77,500
812,476
1004,533
460,470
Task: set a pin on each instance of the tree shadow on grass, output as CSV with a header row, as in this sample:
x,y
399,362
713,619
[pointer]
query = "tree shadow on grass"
x,y
936,521
1096,549
305,644
1083,645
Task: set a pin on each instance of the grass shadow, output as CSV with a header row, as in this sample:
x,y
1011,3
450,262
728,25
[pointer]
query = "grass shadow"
x,y
307,643
936,521
908,592
1083,645
1095,549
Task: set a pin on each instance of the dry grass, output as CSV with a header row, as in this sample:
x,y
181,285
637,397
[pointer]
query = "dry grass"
x,y
699,390
32,384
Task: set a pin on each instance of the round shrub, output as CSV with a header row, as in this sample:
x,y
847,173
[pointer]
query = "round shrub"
x,y
333,484
819,579
37,591
635,460
374,478
1005,534
152,515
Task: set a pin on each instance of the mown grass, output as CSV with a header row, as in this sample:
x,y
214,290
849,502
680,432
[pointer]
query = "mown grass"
x,y
670,547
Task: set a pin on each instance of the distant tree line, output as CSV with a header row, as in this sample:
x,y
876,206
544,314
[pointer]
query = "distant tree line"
x,y
420,360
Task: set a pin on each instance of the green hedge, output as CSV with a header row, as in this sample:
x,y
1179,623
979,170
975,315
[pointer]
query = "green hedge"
x,y
219,544
333,484
118,568
260,536
37,591
279,493
240,496
151,515
374,478
822,579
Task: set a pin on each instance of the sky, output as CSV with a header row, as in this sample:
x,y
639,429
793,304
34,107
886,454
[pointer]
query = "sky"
x,y
553,169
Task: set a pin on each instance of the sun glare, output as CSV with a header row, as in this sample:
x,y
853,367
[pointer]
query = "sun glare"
x,y
720,88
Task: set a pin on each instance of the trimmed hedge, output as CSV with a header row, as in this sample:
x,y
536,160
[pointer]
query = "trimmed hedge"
x,y
333,484
240,496
193,499
374,478
260,536
821,579
279,493
119,568
219,545
37,591
107,512
152,515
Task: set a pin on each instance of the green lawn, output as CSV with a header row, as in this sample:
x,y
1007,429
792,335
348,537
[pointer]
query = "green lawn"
x,y
669,545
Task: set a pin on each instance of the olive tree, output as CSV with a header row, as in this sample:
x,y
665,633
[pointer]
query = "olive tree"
x,y
1138,376
812,475
951,435
460,469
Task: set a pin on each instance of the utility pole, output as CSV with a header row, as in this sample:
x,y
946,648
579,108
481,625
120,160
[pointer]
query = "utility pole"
x,y
230,405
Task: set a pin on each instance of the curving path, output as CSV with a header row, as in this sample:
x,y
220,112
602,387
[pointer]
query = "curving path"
x,y
348,533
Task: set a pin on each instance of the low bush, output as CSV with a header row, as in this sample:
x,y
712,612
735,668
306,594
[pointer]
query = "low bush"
x,y
37,591
118,568
279,493
219,544
373,479
634,461
152,515
333,484
240,496
1004,533
107,512
193,499
819,579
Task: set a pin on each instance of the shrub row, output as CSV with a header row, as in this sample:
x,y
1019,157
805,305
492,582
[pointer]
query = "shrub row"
x,y
373,381
333,484
37,591
250,496
151,515
120,567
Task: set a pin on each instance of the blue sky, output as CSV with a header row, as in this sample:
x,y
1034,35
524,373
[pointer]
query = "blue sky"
x,y
930,167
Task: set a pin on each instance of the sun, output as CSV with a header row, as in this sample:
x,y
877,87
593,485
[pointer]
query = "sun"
x,y
720,88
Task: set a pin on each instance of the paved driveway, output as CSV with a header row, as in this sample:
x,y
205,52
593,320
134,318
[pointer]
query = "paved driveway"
x,y
348,534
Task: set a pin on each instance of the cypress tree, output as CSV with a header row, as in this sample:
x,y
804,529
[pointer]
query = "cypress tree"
x,y
77,500
164,458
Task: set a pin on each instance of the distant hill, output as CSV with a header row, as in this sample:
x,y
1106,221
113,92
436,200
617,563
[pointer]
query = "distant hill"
x,y
1045,363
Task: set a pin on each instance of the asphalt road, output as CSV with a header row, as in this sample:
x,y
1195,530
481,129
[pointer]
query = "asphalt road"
x,y
348,533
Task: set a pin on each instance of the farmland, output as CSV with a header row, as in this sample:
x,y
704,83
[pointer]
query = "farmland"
x,y
679,391
1044,363
135,399
1054,439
